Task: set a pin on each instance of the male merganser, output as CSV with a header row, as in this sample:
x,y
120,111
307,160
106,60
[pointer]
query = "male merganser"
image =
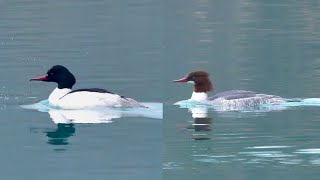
x,y
65,98
233,99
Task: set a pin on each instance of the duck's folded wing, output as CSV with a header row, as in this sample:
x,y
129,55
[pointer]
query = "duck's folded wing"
x,y
234,94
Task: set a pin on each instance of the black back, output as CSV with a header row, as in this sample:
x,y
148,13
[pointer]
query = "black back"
x,y
98,90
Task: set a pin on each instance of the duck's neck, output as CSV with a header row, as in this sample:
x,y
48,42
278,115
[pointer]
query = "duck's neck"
x,y
57,94
200,89
199,96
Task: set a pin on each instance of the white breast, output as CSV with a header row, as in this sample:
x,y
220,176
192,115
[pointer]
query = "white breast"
x,y
199,96
56,94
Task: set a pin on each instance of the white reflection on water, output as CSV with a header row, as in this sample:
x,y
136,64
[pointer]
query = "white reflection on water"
x,y
172,165
268,147
308,151
266,154
65,120
258,157
252,154
101,115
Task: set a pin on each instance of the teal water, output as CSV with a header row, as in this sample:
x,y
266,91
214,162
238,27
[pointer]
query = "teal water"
x,y
264,46
104,44
136,49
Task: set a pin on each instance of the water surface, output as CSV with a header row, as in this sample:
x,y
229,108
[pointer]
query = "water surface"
x,y
104,44
269,47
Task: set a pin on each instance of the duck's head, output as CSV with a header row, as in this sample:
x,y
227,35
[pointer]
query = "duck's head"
x,y
59,74
200,79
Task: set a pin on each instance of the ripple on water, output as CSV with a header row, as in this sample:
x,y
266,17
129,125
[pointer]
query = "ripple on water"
x,y
214,159
267,154
315,161
172,165
308,151
264,155
290,161
268,147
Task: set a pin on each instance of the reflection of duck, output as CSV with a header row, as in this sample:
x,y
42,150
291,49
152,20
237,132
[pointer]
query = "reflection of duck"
x,y
99,115
60,135
66,98
104,115
235,99
82,116
201,123
65,119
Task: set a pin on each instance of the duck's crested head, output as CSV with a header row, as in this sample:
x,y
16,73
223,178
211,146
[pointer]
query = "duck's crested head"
x,y
60,75
200,79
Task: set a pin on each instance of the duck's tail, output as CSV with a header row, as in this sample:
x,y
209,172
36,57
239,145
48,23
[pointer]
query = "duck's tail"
x,y
128,102
302,102
294,100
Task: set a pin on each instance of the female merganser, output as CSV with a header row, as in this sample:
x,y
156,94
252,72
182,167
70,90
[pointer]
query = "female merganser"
x,y
234,99
65,98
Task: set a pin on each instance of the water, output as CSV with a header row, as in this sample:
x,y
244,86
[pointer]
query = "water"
x,y
136,49
104,45
269,47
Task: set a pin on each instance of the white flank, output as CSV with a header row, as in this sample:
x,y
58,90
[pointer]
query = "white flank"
x,y
87,100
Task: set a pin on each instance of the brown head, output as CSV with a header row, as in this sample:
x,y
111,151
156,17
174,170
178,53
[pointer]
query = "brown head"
x,y
200,79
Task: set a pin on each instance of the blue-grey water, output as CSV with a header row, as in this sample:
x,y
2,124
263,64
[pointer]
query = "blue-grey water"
x,y
266,46
114,45
136,48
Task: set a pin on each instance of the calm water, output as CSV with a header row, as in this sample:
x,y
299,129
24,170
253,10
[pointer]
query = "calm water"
x,y
136,49
270,47
104,44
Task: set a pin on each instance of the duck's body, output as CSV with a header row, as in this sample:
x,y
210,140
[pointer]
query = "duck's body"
x,y
88,98
243,98
235,99
64,97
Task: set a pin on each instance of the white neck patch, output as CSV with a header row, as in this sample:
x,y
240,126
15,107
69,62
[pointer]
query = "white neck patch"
x,y
199,96
57,94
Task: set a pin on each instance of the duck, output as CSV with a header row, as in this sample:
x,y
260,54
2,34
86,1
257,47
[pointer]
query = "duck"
x,y
233,99
64,97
